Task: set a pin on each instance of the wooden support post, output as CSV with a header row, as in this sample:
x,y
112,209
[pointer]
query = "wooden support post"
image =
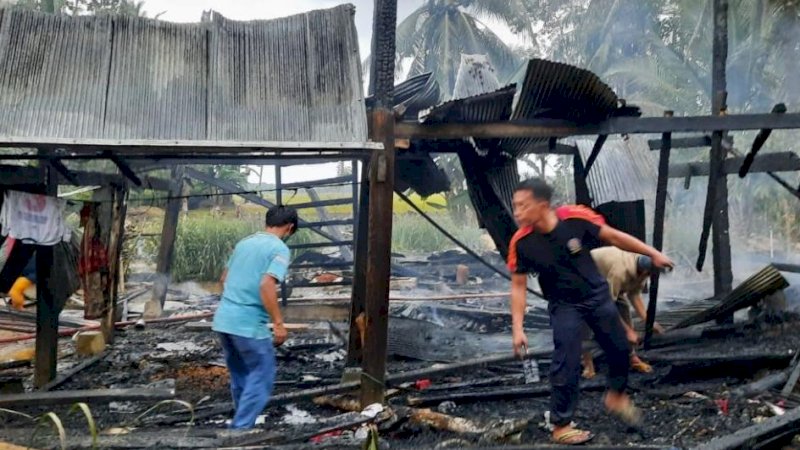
x,y
720,237
716,209
359,293
169,232
116,237
47,311
582,196
598,145
658,228
381,181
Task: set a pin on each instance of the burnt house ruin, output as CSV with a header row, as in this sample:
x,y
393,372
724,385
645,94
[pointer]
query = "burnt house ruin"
x,y
145,94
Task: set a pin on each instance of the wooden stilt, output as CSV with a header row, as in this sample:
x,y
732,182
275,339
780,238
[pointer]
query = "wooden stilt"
x,y
381,180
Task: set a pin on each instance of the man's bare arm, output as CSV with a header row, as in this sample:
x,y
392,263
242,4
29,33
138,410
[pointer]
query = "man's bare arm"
x,y
269,298
519,285
223,277
638,306
629,243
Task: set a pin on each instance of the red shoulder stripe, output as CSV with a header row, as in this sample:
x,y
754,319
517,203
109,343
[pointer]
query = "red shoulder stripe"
x,y
579,212
512,247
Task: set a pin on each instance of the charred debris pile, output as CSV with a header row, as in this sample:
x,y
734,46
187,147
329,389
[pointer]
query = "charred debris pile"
x,y
452,380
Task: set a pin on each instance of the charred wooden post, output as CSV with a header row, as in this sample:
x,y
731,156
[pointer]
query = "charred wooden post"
x,y
598,145
716,209
359,293
582,196
169,232
116,238
381,181
658,227
47,311
759,142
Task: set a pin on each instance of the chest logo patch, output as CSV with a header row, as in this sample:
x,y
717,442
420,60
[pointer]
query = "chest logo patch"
x,y
574,246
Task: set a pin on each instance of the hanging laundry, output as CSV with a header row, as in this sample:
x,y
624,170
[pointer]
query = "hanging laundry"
x,y
33,218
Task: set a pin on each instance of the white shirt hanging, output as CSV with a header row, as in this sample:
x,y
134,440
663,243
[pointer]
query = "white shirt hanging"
x,y
33,218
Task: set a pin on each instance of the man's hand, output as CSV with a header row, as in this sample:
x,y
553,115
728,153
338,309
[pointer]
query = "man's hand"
x,y
279,334
520,343
633,336
662,262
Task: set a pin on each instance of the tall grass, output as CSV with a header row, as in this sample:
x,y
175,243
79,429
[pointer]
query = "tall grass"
x,y
412,234
204,245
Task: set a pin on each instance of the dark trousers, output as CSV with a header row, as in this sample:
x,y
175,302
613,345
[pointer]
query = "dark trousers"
x,y
567,320
251,363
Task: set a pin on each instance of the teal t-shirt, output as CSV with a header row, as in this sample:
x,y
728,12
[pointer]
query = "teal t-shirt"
x,y
241,311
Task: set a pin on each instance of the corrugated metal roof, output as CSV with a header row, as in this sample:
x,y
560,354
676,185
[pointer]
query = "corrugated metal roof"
x,y
291,79
552,90
53,74
414,94
625,170
484,107
157,81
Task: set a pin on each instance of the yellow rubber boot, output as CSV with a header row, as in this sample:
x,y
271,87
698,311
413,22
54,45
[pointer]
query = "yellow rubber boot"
x,y
17,292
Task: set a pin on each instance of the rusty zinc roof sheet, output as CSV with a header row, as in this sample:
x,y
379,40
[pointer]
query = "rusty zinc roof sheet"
x,y
291,79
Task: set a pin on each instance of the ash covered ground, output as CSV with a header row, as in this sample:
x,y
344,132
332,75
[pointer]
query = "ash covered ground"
x,y
686,399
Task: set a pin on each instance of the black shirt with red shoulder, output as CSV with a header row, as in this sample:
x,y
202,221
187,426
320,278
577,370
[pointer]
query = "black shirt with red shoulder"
x,y
562,257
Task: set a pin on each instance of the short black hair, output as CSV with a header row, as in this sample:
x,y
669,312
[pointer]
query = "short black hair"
x,y
278,216
537,187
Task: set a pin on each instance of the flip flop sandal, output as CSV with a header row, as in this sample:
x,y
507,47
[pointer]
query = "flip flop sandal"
x,y
630,414
642,367
567,438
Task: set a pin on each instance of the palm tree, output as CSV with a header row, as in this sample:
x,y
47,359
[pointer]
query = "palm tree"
x,y
437,33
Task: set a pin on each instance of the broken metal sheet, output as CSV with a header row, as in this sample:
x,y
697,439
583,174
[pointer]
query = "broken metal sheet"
x,y
623,171
552,90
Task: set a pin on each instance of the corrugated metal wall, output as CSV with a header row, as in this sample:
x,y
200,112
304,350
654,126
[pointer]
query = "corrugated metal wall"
x,y
291,79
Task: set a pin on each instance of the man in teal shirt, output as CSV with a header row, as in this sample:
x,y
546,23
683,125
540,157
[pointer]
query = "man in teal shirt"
x,y
249,301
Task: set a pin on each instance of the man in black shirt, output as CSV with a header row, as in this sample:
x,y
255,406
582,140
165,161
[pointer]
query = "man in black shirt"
x,y
556,244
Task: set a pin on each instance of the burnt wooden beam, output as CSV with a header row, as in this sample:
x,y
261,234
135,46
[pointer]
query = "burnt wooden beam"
x,y
66,376
64,171
684,142
716,209
784,267
777,178
547,128
381,187
767,162
116,238
166,249
125,169
495,394
87,396
598,145
358,299
759,141
47,311
582,195
794,375
658,228
756,436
